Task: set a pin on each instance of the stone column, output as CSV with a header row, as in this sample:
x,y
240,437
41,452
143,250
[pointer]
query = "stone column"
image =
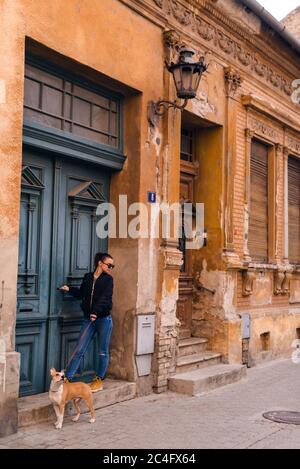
x,y
233,82
277,202
249,134
286,205
170,256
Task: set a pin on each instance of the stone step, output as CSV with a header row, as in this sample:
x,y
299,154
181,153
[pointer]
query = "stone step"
x,y
194,345
207,379
184,333
195,361
38,408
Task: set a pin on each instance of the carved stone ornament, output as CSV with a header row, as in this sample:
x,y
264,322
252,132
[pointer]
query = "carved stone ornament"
x,y
226,44
263,129
180,13
173,43
189,17
278,282
249,277
171,39
286,287
293,144
233,81
249,134
173,258
205,31
286,152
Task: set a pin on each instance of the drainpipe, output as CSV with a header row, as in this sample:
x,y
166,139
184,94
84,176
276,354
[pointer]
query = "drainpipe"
x,y
282,30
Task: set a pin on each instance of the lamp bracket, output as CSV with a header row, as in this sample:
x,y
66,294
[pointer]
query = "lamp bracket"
x,y
158,109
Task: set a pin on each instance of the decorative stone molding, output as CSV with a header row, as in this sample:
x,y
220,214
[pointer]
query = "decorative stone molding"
x,y
233,81
173,259
279,278
263,129
286,152
189,17
204,30
249,277
286,286
173,43
232,260
171,39
249,134
180,13
293,145
258,104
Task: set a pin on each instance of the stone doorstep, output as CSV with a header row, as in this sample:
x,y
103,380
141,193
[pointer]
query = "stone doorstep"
x,y
191,346
207,379
195,361
37,408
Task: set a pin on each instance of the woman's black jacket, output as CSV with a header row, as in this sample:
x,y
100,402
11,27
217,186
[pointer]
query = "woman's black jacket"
x,y
96,299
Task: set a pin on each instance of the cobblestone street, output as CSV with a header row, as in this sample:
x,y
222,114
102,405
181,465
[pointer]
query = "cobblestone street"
x,y
230,417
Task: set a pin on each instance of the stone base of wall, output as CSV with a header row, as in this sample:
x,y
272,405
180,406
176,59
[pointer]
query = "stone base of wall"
x,y
9,393
165,357
273,335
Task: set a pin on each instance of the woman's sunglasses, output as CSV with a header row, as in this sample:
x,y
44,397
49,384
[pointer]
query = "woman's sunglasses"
x,y
110,266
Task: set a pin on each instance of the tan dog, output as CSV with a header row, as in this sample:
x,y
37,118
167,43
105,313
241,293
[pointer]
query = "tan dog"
x,y
61,392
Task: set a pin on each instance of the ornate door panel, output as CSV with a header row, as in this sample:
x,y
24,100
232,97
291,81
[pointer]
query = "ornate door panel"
x,y
82,189
57,244
185,301
34,270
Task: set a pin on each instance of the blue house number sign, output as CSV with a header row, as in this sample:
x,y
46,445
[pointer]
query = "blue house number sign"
x,y
152,197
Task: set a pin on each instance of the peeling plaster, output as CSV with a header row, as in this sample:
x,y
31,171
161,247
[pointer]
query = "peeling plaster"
x,y
154,138
262,292
201,105
168,306
224,284
295,291
165,173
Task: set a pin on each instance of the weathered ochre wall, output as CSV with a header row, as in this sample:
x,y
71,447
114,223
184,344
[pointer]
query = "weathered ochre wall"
x,y
125,46
11,103
122,46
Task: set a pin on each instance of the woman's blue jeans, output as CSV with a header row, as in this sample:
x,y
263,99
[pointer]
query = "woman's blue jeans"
x,y
103,328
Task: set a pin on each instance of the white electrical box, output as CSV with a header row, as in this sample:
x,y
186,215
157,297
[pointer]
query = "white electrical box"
x,y
246,321
145,343
145,334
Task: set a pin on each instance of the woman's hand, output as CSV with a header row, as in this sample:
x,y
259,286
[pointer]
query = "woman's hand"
x,y
64,288
93,317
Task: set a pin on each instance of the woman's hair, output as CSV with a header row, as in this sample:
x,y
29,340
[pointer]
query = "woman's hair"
x,y
101,256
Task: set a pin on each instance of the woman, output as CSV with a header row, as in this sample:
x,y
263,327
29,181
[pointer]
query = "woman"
x,y
96,293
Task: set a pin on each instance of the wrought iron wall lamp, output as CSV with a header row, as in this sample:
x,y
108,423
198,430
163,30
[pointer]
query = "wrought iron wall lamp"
x,y
187,75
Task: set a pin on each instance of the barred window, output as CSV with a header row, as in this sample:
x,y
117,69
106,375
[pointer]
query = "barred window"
x,y
55,101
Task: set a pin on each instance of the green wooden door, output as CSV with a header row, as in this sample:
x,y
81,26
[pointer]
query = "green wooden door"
x,y
57,244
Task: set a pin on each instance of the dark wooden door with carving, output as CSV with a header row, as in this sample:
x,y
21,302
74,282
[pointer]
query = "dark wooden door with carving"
x,y
185,301
188,172
58,240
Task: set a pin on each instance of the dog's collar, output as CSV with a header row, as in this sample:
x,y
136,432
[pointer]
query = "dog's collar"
x,y
55,387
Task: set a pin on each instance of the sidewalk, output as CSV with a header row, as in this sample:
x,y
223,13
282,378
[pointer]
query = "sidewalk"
x,y
230,417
